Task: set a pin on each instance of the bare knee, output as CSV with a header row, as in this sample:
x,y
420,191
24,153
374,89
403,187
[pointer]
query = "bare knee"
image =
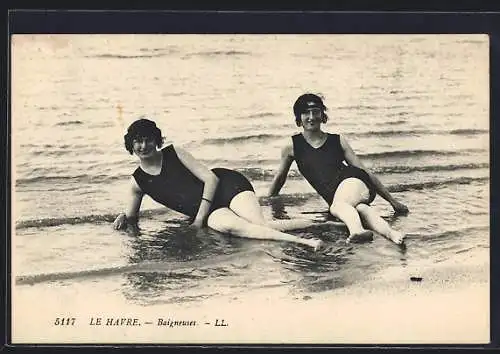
x,y
339,206
362,208
353,191
222,222
246,205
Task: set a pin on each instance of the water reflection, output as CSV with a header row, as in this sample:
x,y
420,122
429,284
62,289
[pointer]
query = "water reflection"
x,y
180,258
277,208
196,264
179,243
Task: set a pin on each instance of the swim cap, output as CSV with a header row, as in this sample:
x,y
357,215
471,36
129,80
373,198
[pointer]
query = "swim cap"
x,y
307,101
142,127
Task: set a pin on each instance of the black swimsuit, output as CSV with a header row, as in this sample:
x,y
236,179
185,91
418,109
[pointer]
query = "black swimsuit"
x,y
325,167
177,188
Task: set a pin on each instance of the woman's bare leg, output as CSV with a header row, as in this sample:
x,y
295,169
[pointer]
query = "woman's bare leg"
x,y
349,194
375,222
225,220
246,205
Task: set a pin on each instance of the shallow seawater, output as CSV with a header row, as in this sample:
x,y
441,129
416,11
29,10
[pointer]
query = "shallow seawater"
x,y
416,112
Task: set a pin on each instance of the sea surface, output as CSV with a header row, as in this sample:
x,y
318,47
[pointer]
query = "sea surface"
x,y
414,108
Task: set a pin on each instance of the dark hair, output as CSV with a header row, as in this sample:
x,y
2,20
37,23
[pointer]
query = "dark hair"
x,y
305,101
139,128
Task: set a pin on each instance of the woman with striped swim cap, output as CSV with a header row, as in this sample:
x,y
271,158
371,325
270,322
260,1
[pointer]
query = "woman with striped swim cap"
x,y
333,169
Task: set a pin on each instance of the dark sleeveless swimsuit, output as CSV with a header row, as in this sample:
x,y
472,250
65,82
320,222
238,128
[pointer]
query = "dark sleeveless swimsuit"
x,y
325,167
177,188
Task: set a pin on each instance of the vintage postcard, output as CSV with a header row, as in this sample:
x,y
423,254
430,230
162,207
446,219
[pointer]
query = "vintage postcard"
x,y
245,191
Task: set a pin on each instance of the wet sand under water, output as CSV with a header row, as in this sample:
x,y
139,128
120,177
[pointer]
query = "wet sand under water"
x,y
450,305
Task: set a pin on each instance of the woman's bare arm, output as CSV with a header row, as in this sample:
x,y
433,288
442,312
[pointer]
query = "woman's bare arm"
x,y
280,177
209,179
130,217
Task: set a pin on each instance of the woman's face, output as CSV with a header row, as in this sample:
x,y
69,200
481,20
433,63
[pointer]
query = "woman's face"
x,y
144,146
311,118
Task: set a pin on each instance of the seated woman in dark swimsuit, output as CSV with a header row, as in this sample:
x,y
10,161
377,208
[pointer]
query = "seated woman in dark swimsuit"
x,y
220,198
332,168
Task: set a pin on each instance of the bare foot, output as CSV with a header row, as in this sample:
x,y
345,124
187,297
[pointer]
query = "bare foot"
x,y
397,237
363,236
317,244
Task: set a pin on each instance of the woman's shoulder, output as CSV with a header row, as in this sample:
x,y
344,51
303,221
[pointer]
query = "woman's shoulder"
x,y
335,138
177,151
168,151
167,148
287,150
134,184
295,138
